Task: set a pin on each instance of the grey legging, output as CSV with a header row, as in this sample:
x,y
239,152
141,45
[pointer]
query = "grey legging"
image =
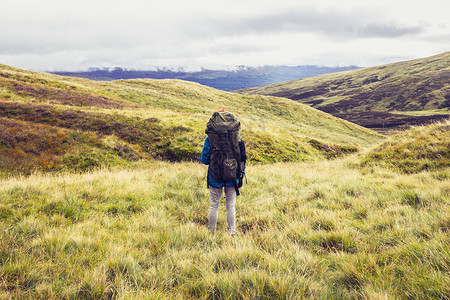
x,y
214,197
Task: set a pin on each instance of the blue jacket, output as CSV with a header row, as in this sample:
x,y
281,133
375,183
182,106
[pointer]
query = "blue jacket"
x,y
205,159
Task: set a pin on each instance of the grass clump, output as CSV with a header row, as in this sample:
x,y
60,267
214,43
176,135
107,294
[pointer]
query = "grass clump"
x,y
421,148
332,151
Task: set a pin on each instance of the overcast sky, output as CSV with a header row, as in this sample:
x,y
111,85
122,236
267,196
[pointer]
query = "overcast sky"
x,y
70,35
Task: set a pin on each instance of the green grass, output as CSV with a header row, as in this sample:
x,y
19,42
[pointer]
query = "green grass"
x,y
415,150
322,230
151,119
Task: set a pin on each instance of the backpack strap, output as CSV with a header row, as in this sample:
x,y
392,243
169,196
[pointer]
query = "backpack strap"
x,y
236,188
207,177
238,160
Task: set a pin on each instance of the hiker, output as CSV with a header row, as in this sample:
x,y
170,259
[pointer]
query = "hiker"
x,y
224,153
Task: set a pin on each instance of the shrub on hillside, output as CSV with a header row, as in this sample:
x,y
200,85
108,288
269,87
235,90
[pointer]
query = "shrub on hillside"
x,y
149,134
25,147
61,95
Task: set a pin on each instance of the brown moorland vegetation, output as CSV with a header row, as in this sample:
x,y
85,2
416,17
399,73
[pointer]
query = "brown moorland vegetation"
x,y
382,97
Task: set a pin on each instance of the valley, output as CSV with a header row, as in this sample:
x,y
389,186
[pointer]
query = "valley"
x,y
102,195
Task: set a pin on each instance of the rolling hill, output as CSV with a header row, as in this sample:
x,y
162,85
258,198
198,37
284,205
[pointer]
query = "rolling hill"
x,y
49,122
387,96
369,226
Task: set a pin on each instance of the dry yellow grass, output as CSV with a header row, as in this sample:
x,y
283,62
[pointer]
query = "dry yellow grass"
x,y
316,230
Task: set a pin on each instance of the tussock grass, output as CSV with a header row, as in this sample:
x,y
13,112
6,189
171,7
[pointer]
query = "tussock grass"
x,y
322,230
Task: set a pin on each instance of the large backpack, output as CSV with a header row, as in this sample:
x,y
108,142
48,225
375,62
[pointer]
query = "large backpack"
x,y
224,138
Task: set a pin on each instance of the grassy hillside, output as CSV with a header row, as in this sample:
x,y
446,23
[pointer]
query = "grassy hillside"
x,y
50,122
415,150
312,227
331,229
410,92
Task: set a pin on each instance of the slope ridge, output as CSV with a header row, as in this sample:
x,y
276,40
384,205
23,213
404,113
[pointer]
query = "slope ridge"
x,y
403,93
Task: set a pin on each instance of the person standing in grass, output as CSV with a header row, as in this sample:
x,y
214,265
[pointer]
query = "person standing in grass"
x,y
224,153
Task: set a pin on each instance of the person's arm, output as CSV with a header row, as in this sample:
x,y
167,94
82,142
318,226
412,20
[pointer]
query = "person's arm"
x,y
206,156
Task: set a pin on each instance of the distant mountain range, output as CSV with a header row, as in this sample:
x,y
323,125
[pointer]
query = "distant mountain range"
x,y
240,78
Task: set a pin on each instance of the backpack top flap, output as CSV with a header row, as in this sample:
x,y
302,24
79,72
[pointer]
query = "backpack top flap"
x,y
222,122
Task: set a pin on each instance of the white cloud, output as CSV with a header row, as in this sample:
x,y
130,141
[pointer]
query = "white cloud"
x,y
74,35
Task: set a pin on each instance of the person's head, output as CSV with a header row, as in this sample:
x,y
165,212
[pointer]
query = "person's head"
x,y
222,110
